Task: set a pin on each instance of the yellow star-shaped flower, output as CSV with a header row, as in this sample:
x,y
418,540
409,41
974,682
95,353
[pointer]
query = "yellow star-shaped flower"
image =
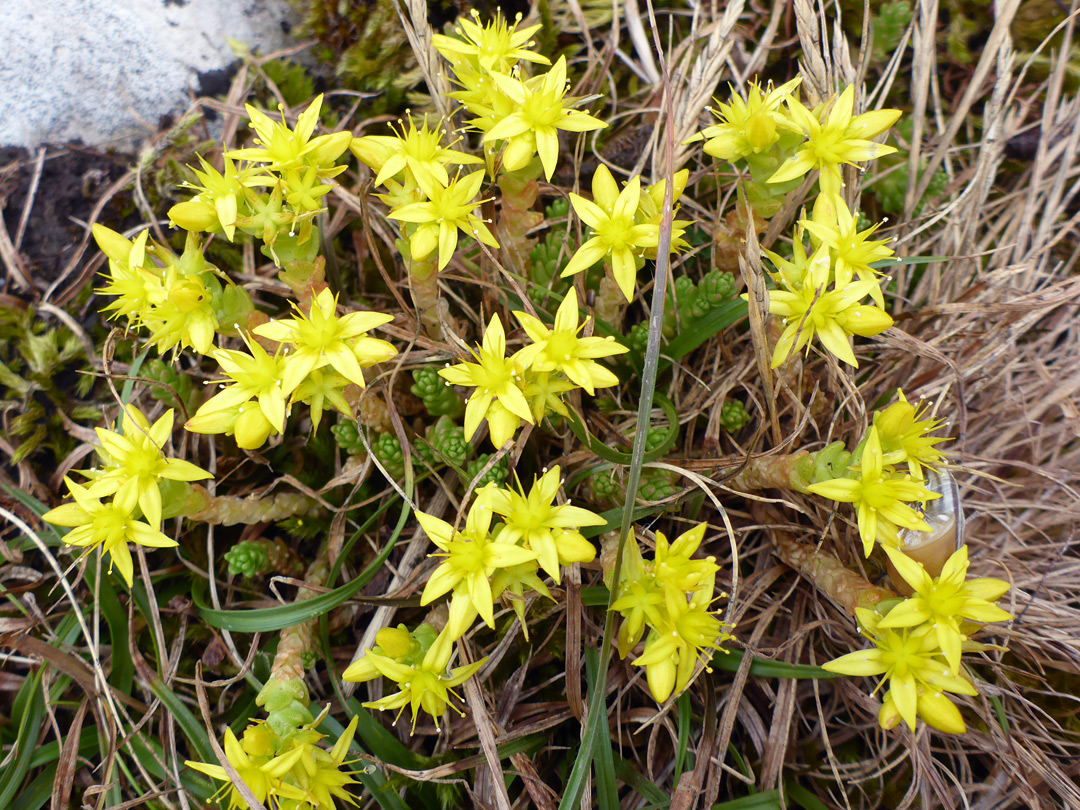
x,y
834,137
879,497
418,150
425,683
495,47
497,382
541,110
447,210
282,148
748,127
110,525
911,664
134,462
941,604
611,216
321,338
536,523
470,557
561,349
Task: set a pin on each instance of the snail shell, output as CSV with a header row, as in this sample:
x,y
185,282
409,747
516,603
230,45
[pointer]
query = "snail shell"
x,y
946,518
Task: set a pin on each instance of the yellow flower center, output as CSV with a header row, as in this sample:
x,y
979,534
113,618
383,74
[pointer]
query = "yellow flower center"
x,y
395,642
760,130
187,295
615,232
145,460
561,346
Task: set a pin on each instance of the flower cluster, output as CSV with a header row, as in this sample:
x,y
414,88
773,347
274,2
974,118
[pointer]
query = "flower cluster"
x,y
517,114
293,772
319,355
418,662
819,292
182,301
276,190
432,207
481,563
919,641
526,385
880,494
133,469
672,597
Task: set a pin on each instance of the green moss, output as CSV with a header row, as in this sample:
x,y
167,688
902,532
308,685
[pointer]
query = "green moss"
x,y
40,379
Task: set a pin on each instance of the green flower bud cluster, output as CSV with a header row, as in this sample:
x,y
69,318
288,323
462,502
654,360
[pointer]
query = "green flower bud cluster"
x,y
891,188
691,301
262,557
639,336
697,300
714,289
545,256
439,397
733,416
602,489
890,21
444,443
557,208
654,438
546,265
496,475
248,558
158,371
890,184
656,485
347,436
387,449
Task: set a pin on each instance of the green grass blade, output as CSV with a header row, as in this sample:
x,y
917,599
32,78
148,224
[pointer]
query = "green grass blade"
x,y
804,798
38,792
48,533
629,774
684,717
265,620
607,788
591,735
122,675
731,660
769,800
33,714
189,724
151,754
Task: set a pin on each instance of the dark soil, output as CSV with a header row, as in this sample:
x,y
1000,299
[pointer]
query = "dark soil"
x,y
72,180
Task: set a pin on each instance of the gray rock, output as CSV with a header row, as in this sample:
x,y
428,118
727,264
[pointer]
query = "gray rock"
x,y
106,71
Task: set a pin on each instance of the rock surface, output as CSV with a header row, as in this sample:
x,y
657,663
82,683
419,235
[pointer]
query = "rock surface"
x,y
106,71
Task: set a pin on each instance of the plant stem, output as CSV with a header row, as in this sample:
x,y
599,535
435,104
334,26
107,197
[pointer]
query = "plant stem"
x,y
229,510
830,576
424,287
285,696
516,215
768,472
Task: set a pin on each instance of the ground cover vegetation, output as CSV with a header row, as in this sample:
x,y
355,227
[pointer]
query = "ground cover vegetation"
x,y
572,408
